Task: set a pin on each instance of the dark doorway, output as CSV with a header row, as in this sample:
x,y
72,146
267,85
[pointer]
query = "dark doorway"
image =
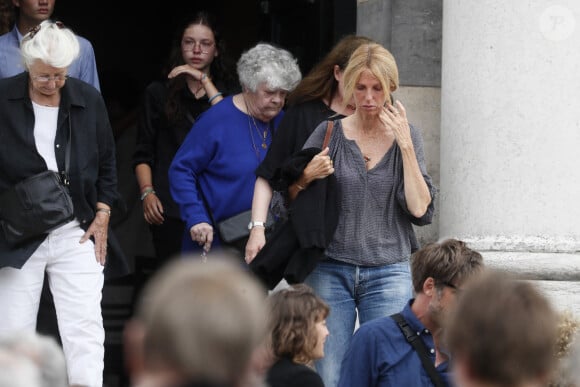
x,y
133,39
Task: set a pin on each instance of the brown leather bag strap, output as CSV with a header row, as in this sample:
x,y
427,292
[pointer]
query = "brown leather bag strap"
x,y
329,127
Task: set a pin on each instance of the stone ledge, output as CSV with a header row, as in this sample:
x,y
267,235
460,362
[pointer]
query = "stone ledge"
x,y
556,274
536,266
564,295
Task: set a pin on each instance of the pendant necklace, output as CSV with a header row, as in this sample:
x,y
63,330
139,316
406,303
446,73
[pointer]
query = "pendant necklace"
x,y
261,133
198,90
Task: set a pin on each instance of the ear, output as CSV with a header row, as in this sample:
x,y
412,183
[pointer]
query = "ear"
x,y
16,3
429,286
133,345
337,73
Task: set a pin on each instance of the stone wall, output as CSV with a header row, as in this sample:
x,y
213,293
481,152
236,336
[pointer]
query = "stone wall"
x,y
502,132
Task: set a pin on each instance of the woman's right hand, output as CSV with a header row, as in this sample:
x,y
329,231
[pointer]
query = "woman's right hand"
x,y
202,233
255,243
185,69
319,167
153,209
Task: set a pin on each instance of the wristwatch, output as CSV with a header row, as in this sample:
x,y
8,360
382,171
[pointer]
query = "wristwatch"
x,y
253,224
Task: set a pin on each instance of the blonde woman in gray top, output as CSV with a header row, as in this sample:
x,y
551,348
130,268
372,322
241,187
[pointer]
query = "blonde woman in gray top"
x,y
383,189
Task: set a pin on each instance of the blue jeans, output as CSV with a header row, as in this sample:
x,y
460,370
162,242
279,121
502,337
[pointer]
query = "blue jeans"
x,y
371,291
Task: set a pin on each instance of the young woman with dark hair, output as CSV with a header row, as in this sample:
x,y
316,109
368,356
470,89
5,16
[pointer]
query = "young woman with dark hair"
x,y
198,77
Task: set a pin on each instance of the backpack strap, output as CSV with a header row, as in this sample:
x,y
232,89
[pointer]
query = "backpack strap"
x,y
419,347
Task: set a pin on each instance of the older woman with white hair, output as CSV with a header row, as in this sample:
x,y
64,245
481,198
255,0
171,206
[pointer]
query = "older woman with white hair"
x,y
57,126
212,174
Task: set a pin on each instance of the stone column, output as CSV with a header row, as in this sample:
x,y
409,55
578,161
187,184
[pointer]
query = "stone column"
x,y
374,19
510,137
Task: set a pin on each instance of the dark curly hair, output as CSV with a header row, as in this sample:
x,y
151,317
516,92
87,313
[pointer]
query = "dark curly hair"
x,y
293,313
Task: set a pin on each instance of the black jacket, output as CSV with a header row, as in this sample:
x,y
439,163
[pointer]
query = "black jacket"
x,y
295,246
93,175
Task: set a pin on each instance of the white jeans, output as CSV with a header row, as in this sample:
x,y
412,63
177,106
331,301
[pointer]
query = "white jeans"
x,y
76,282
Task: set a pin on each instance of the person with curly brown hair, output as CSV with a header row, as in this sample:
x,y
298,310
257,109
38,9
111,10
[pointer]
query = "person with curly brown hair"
x,y
297,333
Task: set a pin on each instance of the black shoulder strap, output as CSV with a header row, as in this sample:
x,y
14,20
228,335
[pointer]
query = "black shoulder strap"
x,y
64,175
419,346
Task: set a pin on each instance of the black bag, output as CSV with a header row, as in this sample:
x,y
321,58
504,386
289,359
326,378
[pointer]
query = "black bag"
x,y
235,228
234,232
35,205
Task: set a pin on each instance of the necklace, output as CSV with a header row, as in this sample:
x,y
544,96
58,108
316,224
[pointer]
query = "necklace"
x,y
261,133
34,97
198,89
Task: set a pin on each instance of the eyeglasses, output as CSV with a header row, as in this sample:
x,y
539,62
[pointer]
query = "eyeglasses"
x,y
46,78
204,45
34,30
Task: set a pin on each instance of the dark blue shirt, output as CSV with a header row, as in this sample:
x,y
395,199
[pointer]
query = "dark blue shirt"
x,y
380,356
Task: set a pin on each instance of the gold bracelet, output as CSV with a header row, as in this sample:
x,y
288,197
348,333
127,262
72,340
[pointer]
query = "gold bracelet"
x,y
300,187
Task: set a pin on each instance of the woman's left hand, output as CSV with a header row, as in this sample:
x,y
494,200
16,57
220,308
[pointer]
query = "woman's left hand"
x,y
395,119
98,230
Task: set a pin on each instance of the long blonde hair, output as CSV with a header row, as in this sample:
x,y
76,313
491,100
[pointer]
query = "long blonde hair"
x,y
379,61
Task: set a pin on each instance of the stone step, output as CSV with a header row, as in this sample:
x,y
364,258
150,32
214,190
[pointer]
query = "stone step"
x,y
557,274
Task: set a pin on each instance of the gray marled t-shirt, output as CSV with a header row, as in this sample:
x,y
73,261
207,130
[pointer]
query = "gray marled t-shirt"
x,y
374,227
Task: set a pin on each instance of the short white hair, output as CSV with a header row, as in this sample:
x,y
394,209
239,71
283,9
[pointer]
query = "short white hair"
x,y
266,64
51,43
43,351
17,370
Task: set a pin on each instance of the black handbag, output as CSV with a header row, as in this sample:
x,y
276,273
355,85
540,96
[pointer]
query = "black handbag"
x,y
37,204
235,228
233,231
